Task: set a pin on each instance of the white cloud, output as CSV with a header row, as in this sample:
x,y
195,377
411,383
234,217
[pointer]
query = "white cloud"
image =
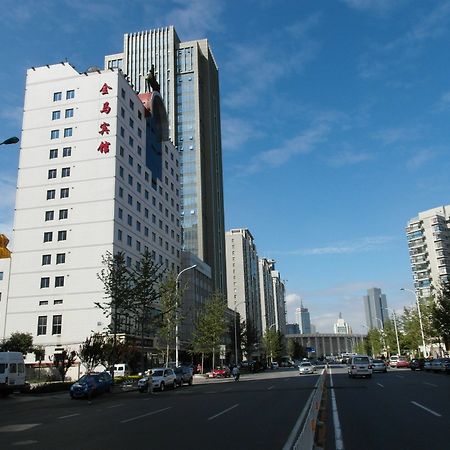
x,y
366,244
349,158
237,131
378,6
420,158
443,103
399,134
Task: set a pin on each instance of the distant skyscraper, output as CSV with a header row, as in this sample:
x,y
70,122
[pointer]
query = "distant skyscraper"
x,y
429,251
341,326
303,319
189,84
243,279
375,305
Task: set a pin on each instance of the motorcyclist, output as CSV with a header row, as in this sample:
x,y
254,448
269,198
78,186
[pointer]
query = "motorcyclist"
x,y
235,373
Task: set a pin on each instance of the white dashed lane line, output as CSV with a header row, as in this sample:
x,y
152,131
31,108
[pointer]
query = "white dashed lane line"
x,y
223,412
426,409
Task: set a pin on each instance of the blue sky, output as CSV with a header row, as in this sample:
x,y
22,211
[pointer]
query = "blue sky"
x,y
334,124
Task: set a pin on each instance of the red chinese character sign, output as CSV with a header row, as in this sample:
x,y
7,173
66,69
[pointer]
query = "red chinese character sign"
x,y
105,89
106,108
104,128
104,147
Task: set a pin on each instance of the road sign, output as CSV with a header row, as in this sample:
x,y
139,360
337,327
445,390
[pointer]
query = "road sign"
x,y
222,351
310,349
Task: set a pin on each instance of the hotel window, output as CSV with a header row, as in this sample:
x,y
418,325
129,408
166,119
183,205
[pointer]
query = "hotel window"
x,y
120,192
62,235
130,180
146,194
60,258
138,206
57,96
46,260
139,133
63,214
122,93
57,325
49,215
130,199
119,235
68,113
138,225
131,121
122,131
146,231
67,132
70,94
138,187
131,105
128,261
42,325
67,151
48,236
51,174
50,194
53,153
121,151
130,160
58,302
64,193
138,246
139,115
129,240
120,213
56,115
59,281
65,172
122,112
45,282
121,172
129,220
139,150
54,134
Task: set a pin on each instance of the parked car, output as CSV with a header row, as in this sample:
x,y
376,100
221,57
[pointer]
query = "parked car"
x,y
162,378
306,367
221,372
417,364
360,366
91,384
184,375
427,364
436,365
446,365
402,362
393,361
378,365
275,365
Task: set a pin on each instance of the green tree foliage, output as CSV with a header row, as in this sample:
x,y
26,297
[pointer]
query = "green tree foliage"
x,y
375,341
18,342
295,350
92,351
272,343
441,313
249,338
211,326
64,361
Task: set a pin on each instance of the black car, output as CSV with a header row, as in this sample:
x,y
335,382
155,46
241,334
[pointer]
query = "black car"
x,y
417,364
184,375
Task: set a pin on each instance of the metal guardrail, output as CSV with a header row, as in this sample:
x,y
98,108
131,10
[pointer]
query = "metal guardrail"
x,y
308,419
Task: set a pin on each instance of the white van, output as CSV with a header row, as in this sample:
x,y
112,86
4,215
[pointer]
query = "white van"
x,y
121,370
12,372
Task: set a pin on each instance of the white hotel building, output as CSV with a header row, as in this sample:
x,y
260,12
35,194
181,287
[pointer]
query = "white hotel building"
x,y
97,174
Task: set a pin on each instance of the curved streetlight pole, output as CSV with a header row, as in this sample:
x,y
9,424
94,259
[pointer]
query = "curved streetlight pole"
x,y
11,140
425,352
177,339
396,330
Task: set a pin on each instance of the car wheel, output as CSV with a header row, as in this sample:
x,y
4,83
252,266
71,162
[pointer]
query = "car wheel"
x,y
162,387
369,376
190,381
175,384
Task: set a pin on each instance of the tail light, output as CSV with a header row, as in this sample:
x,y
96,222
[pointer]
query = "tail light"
x,y
353,367
370,366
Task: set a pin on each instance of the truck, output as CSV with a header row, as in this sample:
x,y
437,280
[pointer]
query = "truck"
x,y
12,373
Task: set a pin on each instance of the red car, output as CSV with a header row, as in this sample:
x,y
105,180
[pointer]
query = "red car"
x,y
221,372
402,362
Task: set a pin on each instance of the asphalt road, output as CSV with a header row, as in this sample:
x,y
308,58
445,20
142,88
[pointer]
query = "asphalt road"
x,y
401,410
258,412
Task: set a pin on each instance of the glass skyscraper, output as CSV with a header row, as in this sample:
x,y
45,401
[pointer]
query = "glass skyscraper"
x,y
189,84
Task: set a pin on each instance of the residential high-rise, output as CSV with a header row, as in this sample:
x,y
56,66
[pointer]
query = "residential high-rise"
x,y
189,83
266,294
429,249
5,265
243,278
375,307
279,299
303,319
97,174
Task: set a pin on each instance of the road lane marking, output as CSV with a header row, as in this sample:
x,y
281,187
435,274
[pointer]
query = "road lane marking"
x,y
28,442
146,415
426,409
114,406
379,384
430,384
339,442
270,387
18,427
223,412
70,415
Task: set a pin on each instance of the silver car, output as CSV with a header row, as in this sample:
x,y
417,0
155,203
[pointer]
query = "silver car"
x,y
306,367
378,365
161,378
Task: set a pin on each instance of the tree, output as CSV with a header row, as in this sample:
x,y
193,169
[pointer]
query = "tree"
x,y
39,355
64,361
117,286
249,338
441,313
91,352
211,326
170,316
375,341
295,350
18,342
145,294
272,344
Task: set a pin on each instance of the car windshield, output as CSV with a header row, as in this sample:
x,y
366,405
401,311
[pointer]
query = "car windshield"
x,y
361,360
378,361
305,364
157,373
85,378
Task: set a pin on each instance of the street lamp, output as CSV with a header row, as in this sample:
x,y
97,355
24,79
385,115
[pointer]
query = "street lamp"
x,y
177,338
396,330
11,140
425,353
